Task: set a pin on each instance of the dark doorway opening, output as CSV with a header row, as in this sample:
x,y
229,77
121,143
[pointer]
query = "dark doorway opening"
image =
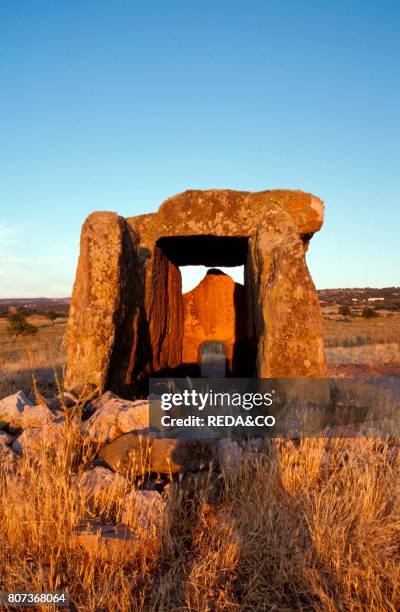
x,y
209,324
209,251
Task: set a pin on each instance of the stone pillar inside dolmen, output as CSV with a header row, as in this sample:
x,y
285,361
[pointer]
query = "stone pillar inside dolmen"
x,y
129,320
215,311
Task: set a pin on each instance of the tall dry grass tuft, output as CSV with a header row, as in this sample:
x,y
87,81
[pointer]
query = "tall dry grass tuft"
x,y
319,528
313,526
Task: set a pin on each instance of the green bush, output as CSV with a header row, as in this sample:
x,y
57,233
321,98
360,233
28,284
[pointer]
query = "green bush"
x,y
51,315
344,310
19,326
369,313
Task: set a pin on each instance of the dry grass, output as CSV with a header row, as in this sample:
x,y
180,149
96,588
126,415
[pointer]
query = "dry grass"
x,y
359,346
313,527
372,343
370,354
36,356
385,329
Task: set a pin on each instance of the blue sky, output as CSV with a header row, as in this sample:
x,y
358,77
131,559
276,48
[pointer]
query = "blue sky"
x,y
110,105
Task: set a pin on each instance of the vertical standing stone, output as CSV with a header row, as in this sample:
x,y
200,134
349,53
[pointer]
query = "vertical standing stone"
x,y
164,307
214,311
286,319
99,306
130,360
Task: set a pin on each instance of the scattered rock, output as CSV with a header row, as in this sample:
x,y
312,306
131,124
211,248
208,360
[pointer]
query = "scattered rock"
x,y
144,512
8,460
60,402
114,416
5,439
230,457
141,453
70,398
142,520
18,412
101,483
109,542
35,440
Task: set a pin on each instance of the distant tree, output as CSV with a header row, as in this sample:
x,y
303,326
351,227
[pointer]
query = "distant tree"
x,y
28,311
369,313
51,315
15,316
344,310
19,326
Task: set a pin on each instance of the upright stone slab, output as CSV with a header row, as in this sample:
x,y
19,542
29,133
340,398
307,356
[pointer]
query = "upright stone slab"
x,y
212,314
164,308
287,320
105,302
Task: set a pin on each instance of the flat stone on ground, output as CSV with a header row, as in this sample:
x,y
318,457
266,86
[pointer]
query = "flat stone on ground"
x,y
109,542
114,416
18,412
5,439
99,482
36,440
144,511
149,452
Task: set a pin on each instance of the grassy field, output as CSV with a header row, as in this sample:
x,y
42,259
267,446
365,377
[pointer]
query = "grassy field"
x,y
363,346
357,331
36,357
313,526
372,345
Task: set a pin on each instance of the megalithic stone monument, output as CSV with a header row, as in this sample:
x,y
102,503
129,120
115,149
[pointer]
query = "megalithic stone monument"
x,y
127,317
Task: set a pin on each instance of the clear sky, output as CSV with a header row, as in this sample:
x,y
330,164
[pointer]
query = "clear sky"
x,y
111,105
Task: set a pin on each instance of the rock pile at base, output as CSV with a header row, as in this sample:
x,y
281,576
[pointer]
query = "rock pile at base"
x,y
133,468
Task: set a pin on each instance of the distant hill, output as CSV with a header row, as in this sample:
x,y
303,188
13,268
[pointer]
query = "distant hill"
x,y
387,298
37,305
33,301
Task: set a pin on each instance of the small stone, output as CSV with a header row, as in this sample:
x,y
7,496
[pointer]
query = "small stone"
x,y
149,452
36,440
5,439
70,398
101,483
109,542
230,457
114,416
18,412
144,511
8,460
